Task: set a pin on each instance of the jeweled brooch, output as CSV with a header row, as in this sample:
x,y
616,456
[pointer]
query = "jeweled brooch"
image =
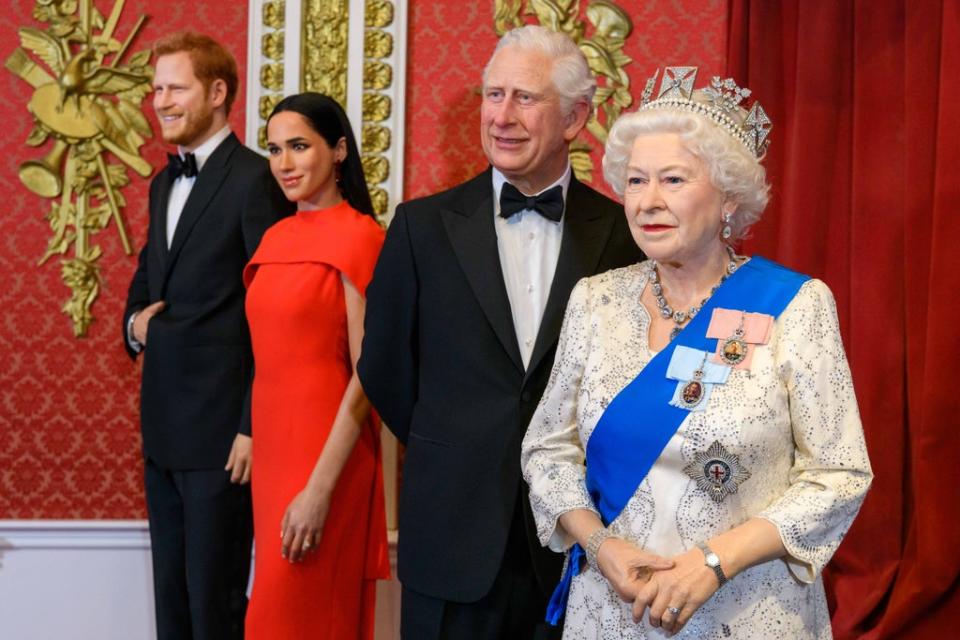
x,y
717,471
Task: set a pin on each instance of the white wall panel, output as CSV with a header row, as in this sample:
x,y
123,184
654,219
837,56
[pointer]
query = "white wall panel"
x,y
92,580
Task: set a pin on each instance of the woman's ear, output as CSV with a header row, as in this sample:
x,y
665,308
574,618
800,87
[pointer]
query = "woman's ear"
x,y
340,151
729,207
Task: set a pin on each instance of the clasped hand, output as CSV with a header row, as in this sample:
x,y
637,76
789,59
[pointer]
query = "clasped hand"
x,y
672,589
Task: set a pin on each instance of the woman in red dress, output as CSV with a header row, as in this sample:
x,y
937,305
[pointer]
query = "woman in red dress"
x,y
317,484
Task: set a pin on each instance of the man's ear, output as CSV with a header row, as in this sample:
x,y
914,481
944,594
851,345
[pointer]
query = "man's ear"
x,y
576,120
217,94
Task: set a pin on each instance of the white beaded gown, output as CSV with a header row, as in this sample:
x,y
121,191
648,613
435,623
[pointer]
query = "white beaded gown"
x,y
792,419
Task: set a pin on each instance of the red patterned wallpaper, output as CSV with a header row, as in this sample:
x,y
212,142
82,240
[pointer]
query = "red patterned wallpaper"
x,y
69,435
69,432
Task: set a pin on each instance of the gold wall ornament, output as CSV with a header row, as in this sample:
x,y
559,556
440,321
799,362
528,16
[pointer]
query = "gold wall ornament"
x,y
272,18
324,48
375,138
603,50
380,200
376,168
274,14
272,45
271,76
85,102
377,75
377,106
377,44
506,15
378,14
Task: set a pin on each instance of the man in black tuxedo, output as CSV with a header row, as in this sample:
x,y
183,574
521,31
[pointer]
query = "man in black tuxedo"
x,y
463,316
185,313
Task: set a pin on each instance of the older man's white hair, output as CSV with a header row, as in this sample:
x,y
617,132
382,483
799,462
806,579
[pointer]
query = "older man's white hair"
x,y
572,77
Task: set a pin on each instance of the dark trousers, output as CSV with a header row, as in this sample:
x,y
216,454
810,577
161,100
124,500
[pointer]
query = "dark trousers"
x,y
201,529
513,609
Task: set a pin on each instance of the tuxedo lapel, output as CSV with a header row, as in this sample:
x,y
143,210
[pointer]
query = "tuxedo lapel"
x,y
214,171
160,204
469,225
585,233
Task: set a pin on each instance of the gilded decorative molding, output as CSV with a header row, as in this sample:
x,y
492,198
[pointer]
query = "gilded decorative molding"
x,y
273,15
506,15
375,138
272,45
378,14
85,106
377,107
271,76
377,75
603,50
377,44
272,19
323,61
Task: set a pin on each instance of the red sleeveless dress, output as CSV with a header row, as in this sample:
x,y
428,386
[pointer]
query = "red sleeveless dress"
x,y
298,326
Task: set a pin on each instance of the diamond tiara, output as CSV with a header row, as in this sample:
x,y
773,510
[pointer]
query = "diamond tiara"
x,y
720,101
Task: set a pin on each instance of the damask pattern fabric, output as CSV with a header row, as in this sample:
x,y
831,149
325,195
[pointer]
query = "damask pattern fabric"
x,y
792,419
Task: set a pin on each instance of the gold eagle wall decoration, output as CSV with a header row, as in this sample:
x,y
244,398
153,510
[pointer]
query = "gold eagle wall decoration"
x,y
86,102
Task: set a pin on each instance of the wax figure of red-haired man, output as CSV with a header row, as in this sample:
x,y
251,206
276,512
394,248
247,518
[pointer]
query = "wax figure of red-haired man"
x,y
185,313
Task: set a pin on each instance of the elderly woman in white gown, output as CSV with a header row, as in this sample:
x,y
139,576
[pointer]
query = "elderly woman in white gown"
x,y
698,450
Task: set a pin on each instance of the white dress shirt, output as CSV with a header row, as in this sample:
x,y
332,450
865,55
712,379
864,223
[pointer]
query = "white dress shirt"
x,y
182,186
529,247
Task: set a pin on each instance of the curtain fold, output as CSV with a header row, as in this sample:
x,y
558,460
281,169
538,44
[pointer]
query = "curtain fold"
x,y
865,167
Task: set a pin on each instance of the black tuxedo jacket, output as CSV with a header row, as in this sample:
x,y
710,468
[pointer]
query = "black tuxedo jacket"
x,y
197,368
441,364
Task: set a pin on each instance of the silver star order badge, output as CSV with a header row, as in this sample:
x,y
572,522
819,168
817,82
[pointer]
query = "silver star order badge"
x,y
717,471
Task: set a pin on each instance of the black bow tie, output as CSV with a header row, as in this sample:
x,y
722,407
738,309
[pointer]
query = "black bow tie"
x,y
549,204
186,166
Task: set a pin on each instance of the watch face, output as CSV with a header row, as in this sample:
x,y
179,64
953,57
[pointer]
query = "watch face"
x,y
713,559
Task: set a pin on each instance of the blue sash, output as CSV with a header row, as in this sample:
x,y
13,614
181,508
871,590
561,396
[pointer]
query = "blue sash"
x,y
639,422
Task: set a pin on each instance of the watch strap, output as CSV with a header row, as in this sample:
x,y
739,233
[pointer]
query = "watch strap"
x,y
717,569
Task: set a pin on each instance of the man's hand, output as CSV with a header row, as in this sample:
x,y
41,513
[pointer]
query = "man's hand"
x,y
240,459
143,319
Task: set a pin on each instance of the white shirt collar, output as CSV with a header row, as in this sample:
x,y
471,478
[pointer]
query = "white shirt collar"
x,y
499,179
206,149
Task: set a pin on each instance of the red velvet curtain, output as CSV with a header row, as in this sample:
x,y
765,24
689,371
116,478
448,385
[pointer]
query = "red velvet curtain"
x,y
865,167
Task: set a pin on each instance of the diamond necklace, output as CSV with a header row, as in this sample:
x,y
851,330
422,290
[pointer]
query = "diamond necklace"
x,y
680,318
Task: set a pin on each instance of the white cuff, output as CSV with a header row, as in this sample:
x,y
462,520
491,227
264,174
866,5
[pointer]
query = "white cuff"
x,y
136,346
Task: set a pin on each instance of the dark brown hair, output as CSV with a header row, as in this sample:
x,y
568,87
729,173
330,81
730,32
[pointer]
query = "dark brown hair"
x,y
209,59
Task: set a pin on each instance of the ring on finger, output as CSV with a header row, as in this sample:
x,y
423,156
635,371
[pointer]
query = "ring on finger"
x,y
674,611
